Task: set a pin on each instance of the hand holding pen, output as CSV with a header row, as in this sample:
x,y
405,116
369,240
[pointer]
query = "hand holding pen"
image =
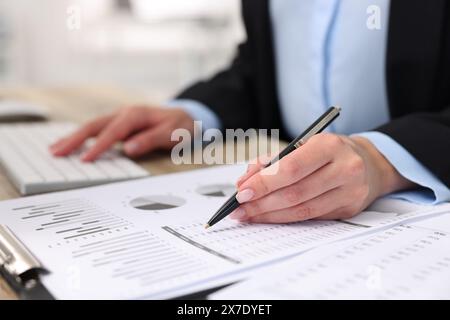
x,y
326,176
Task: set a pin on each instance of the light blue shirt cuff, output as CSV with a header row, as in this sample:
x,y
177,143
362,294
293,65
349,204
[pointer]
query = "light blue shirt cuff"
x,y
433,191
198,111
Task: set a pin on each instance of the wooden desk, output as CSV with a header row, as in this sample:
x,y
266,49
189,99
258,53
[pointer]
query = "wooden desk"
x,y
79,105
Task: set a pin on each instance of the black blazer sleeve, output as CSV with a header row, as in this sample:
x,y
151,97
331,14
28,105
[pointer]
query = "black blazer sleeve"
x,y
244,95
427,137
229,93
418,82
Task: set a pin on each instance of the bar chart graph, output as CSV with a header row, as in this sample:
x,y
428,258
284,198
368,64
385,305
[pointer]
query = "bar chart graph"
x,y
71,219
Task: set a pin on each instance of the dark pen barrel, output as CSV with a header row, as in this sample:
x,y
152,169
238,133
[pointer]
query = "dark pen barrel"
x,y
318,126
224,211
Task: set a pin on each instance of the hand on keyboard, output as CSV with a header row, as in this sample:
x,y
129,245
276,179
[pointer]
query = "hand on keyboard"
x,y
24,154
143,129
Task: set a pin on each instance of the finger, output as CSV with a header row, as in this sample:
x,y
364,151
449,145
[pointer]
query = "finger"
x,y
252,168
317,152
75,139
117,130
146,141
310,209
70,143
321,181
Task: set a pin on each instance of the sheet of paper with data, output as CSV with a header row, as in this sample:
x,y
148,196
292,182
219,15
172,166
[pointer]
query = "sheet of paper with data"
x,y
146,238
409,261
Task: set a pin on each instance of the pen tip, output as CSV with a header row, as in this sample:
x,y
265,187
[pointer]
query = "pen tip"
x,y
207,226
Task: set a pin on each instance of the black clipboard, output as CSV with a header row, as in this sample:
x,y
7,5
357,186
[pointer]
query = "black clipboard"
x,y
20,268
22,271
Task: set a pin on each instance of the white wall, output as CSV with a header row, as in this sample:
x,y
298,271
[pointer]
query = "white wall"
x,y
158,48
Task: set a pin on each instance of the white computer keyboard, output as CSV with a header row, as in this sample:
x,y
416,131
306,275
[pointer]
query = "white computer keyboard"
x,y
25,156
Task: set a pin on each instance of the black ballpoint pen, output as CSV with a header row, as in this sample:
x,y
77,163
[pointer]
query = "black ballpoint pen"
x,y
318,126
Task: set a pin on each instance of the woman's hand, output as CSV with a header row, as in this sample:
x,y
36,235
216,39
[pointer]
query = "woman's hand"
x,y
142,129
330,177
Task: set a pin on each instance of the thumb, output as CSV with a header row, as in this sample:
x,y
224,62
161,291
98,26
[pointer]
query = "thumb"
x,y
145,141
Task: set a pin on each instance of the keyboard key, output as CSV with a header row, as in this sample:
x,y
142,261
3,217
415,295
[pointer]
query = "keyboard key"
x,y
62,165
112,171
89,169
130,168
18,169
25,156
33,157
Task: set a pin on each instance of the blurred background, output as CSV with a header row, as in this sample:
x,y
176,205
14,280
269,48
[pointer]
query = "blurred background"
x,y
148,46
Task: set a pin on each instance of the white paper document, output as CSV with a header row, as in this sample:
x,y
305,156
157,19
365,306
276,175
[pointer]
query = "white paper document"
x,y
146,238
404,262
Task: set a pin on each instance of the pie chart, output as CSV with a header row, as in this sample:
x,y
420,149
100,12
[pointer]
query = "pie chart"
x,y
157,202
217,190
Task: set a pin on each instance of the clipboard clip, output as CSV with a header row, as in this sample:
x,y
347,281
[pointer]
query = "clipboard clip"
x,y
17,262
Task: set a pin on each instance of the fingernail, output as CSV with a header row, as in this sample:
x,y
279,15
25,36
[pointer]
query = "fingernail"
x,y
131,147
55,146
84,156
237,214
245,195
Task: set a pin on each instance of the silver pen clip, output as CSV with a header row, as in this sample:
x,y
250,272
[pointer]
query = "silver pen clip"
x,y
319,127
